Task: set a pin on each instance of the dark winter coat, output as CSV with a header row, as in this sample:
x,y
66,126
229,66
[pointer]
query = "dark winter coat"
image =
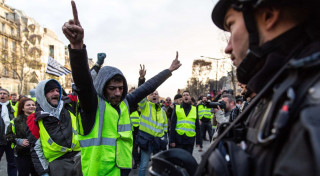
x,y
297,153
184,139
20,125
3,140
57,122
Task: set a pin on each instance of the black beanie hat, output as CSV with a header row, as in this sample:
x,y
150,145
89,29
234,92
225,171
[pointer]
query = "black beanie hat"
x,y
50,85
177,96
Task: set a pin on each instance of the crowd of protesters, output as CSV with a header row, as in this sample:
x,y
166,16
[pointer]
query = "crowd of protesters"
x,y
103,128
40,140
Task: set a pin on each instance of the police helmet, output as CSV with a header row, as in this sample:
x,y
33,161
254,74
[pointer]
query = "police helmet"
x,y
177,162
249,65
222,7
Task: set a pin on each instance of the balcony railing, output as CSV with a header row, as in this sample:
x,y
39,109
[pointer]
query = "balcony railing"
x,y
13,37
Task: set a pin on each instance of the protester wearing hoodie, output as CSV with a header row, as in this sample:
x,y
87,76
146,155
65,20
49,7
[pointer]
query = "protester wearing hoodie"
x,y
52,131
105,129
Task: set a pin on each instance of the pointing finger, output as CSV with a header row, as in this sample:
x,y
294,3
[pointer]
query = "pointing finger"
x,y
177,54
75,12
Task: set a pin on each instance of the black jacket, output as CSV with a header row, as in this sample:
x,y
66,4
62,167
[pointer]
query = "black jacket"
x,y
20,124
297,152
3,140
57,122
184,139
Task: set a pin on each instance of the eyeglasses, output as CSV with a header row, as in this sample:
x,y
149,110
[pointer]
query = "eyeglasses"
x,y
168,100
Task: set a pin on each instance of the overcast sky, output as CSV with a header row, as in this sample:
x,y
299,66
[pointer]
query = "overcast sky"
x,y
134,32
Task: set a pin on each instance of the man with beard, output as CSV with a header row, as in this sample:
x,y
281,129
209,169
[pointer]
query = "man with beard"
x,y
105,131
14,103
247,95
276,48
6,112
185,126
152,136
52,132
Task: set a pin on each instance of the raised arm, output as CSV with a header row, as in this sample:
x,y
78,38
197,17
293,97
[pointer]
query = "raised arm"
x,y
142,74
80,70
152,84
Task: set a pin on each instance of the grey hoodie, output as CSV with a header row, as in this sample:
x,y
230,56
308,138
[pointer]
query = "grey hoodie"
x,y
42,100
104,75
88,90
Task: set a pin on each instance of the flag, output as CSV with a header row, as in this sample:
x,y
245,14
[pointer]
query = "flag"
x,y
54,68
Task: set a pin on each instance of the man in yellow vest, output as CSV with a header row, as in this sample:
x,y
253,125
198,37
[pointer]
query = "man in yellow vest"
x,y
14,103
152,136
104,123
54,145
185,126
205,116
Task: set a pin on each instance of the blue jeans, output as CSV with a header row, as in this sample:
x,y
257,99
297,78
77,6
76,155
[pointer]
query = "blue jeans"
x,y
11,165
145,157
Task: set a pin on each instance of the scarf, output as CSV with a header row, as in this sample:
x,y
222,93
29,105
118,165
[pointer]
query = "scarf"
x,y
5,114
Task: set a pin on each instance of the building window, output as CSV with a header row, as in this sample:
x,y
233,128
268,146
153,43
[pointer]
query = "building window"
x,y
5,71
14,58
51,51
12,31
14,46
4,42
3,28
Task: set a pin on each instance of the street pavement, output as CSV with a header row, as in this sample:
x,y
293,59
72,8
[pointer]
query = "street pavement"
x,y
196,154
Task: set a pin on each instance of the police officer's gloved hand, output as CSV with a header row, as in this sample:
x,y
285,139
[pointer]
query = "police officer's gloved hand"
x,y
101,57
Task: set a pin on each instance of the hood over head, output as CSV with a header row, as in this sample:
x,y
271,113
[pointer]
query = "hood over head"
x,y
42,100
105,74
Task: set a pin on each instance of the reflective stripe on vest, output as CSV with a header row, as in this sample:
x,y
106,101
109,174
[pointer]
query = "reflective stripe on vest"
x,y
13,127
153,121
135,118
205,112
13,131
52,150
15,108
186,124
108,147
